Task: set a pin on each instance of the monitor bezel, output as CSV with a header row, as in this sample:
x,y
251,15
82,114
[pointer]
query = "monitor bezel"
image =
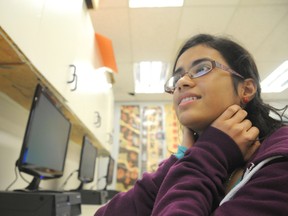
x,y
110,170
86,141
33,169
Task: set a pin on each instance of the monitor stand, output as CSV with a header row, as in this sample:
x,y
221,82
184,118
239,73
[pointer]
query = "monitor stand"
x,y
34,184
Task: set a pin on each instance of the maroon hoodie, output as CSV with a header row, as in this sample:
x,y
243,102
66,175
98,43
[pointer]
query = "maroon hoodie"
x,y
195,184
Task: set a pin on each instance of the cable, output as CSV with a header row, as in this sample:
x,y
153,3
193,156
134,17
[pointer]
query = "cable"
x,y
15,169
65,182
97,182
22,177
101,178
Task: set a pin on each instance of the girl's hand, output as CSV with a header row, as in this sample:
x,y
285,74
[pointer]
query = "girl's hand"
x,y
233,123
188,137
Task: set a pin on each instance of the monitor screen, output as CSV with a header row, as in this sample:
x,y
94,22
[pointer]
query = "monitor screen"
x,y
110,171
87,161
46,138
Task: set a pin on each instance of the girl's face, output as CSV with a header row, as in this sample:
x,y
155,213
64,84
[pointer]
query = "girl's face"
x,y
198,102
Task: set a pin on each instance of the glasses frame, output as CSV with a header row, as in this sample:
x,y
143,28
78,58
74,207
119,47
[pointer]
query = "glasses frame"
x,y
193,76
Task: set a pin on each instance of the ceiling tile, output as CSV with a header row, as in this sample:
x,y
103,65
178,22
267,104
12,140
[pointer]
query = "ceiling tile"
x,y
275,45
113,3
262,2
207,19
210,2
254,23
153,32
273,52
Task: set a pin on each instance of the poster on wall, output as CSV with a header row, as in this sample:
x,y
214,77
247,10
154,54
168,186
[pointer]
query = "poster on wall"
x,y
173,132
147,135
152,145
129,147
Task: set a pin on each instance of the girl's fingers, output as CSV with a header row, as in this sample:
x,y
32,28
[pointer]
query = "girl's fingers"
x,y
251,150
232,116
246,124
239,116
252,133
188,137
229,112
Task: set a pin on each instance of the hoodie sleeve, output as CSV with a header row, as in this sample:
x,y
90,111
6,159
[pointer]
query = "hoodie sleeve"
x,y
194,185
140,199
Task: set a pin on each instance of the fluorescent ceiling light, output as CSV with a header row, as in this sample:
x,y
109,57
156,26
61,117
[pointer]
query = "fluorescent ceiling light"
x,y
277,81
155,3
150,77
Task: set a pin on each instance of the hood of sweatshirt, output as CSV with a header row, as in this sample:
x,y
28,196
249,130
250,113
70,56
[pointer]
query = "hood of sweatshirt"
x,y
274,145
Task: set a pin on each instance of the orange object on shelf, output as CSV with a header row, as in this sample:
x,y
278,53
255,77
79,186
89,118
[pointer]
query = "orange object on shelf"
x,y
107,52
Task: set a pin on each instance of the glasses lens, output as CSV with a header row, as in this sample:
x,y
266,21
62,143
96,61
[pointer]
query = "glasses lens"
x,y
171,83
200,69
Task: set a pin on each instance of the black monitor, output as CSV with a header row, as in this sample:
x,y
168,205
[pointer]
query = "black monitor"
x,y
87,162
110,171
45,141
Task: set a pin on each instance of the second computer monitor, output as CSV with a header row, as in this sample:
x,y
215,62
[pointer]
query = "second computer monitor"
x,y
87,161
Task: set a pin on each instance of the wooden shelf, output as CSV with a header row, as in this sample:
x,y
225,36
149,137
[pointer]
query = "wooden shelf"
x,y
18,80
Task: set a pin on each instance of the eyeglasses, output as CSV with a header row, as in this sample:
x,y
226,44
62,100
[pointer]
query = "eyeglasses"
x,y
199,68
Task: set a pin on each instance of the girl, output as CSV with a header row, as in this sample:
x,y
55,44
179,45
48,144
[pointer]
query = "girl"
x,y
233,159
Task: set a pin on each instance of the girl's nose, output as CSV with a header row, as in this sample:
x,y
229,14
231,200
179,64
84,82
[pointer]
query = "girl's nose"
x,y
185,82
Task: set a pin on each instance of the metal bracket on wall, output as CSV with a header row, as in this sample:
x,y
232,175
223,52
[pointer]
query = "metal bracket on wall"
x,y
110,138
97,121
74,79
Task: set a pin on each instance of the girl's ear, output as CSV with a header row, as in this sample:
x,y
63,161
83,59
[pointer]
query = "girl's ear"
x,y
247,90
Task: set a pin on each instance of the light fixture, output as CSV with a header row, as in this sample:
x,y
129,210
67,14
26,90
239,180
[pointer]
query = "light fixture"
x,y
155,3
277,81
106,53
150,76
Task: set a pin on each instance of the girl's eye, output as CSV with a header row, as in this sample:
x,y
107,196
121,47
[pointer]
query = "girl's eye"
x,y
202,68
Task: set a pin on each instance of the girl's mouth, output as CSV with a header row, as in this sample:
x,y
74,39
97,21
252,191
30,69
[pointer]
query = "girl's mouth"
x,y
188,100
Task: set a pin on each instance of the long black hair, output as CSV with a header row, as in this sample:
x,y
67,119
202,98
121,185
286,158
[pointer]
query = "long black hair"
x,y
241,61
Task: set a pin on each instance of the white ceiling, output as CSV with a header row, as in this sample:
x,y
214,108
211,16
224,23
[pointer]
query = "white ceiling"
x,y
157,33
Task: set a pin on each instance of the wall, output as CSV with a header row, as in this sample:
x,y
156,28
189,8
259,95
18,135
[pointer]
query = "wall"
x,y
13,118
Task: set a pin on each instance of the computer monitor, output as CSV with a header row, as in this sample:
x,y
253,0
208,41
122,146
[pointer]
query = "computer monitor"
x,y
45,141
87,162
110,171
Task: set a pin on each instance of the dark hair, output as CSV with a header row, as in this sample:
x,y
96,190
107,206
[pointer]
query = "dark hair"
x,y
241,61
